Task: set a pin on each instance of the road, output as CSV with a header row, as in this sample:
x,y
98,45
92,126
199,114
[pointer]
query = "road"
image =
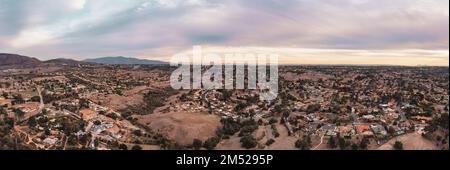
x,y
321,141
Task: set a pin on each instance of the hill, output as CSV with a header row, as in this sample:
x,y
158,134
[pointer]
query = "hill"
x,y
17,60
124,60
64,61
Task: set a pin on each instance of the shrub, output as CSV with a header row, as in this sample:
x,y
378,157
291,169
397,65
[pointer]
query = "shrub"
x,y
270,142
211,143
248,142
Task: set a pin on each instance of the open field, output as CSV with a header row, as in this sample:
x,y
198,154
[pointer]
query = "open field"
x,y
183,127
411,141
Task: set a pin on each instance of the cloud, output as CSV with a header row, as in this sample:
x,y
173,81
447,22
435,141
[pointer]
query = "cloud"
x,y
407,57
79,4
157,28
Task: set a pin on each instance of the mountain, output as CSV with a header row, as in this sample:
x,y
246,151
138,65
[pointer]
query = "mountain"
x,y
124,60
64,61
17,60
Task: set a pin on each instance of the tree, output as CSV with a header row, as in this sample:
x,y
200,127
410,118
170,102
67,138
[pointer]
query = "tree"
x,y
273,121
364,143
211,143
354,146
84,103
96,142
123,147
72,140
18,100
126,115
398,145
270,142
97,122
332,142
32,122
118,91
248,129
313,108
248,141
302,144
35,99
3,111
230,126
197,144
18,112
137,133
342,143
5,95
136,147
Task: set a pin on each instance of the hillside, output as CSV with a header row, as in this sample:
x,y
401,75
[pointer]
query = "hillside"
x,y
123,60
17,60
64,61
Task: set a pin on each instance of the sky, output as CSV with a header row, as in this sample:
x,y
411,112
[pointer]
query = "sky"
x,y
392,32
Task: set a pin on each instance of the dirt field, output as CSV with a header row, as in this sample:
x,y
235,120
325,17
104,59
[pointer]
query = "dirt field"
x,y
411,141
130,98
230,144
183,127
284,141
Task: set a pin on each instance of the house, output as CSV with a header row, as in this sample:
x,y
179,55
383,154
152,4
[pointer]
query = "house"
x,y
423,118
397,130
369,117
329,129
362,128
50,141
384,106
367,134
420,128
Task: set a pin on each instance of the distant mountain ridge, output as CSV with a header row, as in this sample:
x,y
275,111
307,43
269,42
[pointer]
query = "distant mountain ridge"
x,y
123,60
64,61
16,60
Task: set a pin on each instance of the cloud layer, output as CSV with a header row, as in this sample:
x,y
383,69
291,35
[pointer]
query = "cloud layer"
x,y
160,28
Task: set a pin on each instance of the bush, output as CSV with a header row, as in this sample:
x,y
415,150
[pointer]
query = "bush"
x,y
97,122
211,143
123,147
248,142
126,115
398,145
197,144
364,143
270,142
247,130
230,126
136,147
18,112
137,133
313,108
273,121
303,144
35,99
112,116
332,142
